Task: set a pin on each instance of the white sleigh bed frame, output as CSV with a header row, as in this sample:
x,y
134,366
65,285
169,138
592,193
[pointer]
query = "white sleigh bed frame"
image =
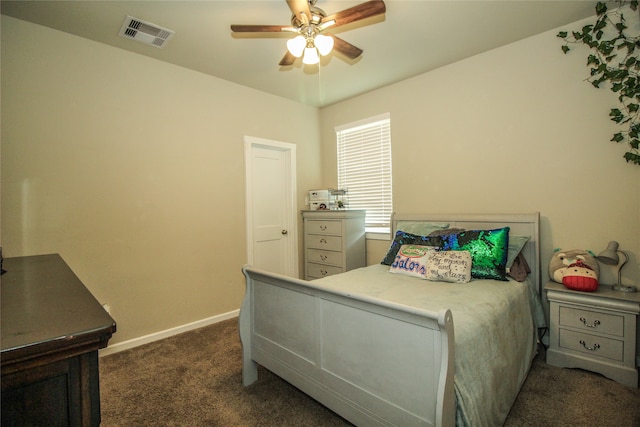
x,y
306,334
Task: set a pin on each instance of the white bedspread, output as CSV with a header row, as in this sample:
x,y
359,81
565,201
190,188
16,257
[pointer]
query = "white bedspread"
x,y
495,333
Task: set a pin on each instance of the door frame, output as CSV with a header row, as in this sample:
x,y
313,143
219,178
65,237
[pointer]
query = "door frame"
x,y
291,203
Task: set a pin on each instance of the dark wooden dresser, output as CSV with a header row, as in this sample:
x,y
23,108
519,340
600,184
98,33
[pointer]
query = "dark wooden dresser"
x,y
52,328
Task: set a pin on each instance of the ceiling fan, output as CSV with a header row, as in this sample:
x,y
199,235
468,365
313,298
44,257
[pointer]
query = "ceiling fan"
x,y
309,21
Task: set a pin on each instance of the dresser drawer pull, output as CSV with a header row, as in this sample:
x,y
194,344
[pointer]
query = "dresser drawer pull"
x,y
594,348
323,257
325,272
323,227
593,325
323,240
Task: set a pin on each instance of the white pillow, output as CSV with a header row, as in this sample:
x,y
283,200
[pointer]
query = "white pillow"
x,y
411,260
449,266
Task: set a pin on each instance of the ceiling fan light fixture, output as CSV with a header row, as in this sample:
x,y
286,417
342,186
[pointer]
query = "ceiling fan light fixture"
x,y
296,46
324,44
308,21
310,56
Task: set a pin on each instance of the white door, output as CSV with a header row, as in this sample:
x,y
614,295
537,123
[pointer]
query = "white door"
x,y
272,241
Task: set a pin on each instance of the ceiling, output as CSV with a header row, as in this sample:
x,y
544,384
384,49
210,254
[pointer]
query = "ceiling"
x,y
413,37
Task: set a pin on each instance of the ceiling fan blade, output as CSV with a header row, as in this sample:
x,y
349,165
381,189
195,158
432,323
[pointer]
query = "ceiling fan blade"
x,y
300,8
346,48
356,13
262,28
287,59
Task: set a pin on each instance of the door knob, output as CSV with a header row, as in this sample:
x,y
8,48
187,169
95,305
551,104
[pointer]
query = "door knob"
x,y
284,232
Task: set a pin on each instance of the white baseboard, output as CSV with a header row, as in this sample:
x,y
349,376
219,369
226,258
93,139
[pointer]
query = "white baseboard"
x,y
146,339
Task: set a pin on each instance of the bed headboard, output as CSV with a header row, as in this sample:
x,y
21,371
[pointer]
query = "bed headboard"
x,y
520,224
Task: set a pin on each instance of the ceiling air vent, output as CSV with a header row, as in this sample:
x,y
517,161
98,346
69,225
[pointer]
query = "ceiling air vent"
x,y
145,32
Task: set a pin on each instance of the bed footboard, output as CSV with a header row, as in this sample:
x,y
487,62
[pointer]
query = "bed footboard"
x,y
371,361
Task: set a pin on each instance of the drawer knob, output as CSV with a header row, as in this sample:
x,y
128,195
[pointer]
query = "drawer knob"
x,y
323,257
323,227
594,348
323,240
324,272
593,325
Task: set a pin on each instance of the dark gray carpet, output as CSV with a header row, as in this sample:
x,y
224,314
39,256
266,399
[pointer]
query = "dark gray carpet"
x,y
194,379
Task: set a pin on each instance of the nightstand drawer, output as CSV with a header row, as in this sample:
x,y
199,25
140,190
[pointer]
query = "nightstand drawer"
x,y
324,257
331,243
324,227
317,271
592,345
592,321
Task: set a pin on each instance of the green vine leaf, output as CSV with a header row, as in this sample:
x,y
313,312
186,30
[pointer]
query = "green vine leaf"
x,y
632,158
616,115
601,24
621,76
618,137
621,27
601,8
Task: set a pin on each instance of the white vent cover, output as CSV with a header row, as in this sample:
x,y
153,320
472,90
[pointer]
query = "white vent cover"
x,y
145,32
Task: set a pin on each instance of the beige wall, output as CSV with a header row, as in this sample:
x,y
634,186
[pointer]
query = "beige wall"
x,y
133,170
515,129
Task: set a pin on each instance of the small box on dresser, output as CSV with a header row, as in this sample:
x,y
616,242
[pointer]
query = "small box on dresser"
x,y
595,331
334,242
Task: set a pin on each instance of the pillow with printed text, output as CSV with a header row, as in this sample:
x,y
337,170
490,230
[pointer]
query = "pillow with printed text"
x,y
411,260
449,266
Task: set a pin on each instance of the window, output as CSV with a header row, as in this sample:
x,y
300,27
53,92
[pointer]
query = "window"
x,y
364,168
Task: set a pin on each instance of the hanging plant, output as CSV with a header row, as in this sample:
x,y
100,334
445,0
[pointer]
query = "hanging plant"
x,y
614,60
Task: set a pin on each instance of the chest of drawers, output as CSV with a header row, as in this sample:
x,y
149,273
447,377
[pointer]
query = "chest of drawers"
x,y
595,331
334,242
52,329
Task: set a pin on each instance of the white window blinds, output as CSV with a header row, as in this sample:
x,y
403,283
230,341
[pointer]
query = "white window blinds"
x,y
364,167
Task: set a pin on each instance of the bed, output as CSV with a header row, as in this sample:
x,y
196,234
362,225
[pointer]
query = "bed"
x,y
381,349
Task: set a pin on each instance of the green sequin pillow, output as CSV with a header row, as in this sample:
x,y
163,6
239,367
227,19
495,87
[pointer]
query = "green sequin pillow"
x,y
488,248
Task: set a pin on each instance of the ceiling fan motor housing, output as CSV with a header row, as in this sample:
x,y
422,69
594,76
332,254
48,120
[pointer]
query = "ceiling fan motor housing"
x,y
316,17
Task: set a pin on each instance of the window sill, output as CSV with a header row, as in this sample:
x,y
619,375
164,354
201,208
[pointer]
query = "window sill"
x,y
377,233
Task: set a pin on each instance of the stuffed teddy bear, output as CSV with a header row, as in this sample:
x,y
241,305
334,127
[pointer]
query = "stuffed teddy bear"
x,y
563,259
580,277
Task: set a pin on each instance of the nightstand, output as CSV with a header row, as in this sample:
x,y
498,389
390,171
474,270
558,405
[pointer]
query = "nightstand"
x,y
595,331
